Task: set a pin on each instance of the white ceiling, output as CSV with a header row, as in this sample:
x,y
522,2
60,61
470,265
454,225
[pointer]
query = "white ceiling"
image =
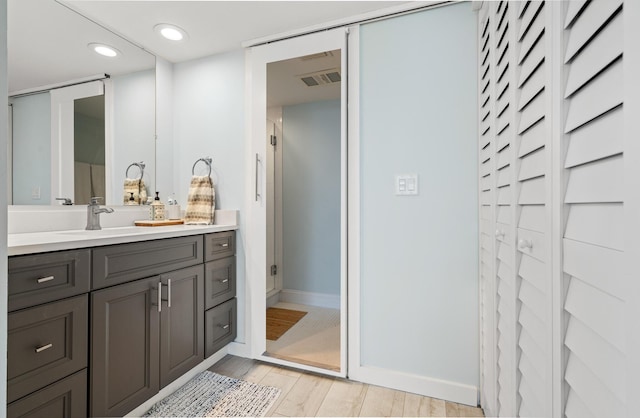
x,y
215,26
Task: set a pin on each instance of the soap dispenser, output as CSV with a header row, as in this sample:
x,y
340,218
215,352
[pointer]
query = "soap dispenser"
x,y
156,211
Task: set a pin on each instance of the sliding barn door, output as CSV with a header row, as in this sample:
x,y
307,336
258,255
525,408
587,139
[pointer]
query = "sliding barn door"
x,y
557,242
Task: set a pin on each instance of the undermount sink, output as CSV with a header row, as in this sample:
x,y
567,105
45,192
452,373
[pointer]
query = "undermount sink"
x,y
127,230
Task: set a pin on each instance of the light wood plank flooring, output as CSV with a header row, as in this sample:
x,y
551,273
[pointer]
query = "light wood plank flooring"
x,y
308,395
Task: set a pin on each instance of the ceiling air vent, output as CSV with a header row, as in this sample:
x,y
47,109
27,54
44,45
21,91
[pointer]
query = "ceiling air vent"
x,y
321,77
317,56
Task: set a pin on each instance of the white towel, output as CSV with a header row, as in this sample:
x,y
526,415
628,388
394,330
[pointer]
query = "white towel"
x,y
200,202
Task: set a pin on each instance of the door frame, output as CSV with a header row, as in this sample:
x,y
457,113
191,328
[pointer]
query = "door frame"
x,y
256,232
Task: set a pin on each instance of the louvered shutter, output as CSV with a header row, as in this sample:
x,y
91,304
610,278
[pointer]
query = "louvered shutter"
x,y
593,245
505,215
533,137
486,198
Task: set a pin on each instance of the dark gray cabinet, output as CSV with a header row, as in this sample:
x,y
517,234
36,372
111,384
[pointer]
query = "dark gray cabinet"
x,y
220,326
219,245
181,323
45,344
125,346
220,281
66,398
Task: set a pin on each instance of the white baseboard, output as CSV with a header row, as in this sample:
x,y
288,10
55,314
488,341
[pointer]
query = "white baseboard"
x,y
421,385
273,299
179,382
239,350
322,300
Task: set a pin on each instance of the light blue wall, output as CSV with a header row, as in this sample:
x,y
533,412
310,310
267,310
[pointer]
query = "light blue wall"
x,y
419,288
208,120
133,129
311,197
32,148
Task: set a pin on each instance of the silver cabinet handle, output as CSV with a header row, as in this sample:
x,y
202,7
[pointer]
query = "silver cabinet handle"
x,y
223,280
169,293
44,347
225,245
159,297
224,326
257,163
45,279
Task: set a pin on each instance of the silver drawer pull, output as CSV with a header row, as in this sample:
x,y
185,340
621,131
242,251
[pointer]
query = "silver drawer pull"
x,y
225,245
44,347
223,281
45,279
224,326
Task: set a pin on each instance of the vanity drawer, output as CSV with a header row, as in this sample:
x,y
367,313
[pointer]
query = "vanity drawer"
x,y
220,326
45,344
219,281
41,278
126,262
219,245
64,399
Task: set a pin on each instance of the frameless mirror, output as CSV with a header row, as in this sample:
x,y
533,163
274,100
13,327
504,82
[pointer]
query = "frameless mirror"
x,y
69,145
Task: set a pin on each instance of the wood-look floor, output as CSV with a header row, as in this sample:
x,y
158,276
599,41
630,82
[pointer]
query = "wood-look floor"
x,y
310,395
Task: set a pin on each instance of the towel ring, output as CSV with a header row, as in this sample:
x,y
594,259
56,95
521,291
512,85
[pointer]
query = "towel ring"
x,y
141,165
206,160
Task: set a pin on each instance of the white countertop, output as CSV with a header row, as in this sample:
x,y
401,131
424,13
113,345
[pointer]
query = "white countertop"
x,y
27,241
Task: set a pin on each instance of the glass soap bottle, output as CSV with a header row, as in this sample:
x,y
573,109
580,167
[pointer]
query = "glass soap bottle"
x,y
156,211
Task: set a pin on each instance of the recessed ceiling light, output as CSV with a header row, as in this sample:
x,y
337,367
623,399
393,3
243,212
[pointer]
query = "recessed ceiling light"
x,y
104,50
171,32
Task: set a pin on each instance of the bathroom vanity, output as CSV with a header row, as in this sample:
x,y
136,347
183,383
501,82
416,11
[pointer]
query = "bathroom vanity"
x,y
100,321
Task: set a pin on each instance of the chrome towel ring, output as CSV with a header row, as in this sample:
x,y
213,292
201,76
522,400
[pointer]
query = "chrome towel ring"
x,y
141,165
206,160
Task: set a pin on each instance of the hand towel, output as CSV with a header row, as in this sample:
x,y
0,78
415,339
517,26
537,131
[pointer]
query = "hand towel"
x,y
139,190
200,202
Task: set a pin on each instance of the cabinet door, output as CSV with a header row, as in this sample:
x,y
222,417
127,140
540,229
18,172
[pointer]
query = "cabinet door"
x,y
125,346
182,328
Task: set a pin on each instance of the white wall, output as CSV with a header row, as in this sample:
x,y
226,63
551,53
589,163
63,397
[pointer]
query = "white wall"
x,y
32,148
164,128
134,118
419,276
311,197
208,120
3,208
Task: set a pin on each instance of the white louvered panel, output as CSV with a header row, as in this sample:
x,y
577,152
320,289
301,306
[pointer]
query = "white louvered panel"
x,y
485,154
504,215
536,329
523,7
485,170
532,113
534,59
528,18
591,20
485,183
602,51
599,139
531,37
538,244
602,359
485,226
607,320
530,406
504,195
505,175
533,270
531,376
486,270
600,181
532,87
601,224
485,213
505,232
503,98
504,136
532,165
504,254
532,218
573,9
486,198
504,273
532,297
597,397
484,254
503,160
599,96
503,123
532,139
576,408
600,267
485,242
535,354
532,192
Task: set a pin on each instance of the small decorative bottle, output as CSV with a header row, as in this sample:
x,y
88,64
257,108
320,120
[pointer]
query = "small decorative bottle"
x,y
156,211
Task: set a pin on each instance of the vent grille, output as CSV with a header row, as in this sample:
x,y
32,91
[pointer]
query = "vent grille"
x,y
321,78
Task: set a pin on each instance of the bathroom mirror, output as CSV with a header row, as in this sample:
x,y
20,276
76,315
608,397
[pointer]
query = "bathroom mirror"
x,y
48,51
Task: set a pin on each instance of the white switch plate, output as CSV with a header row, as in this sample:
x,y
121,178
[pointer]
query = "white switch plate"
x,y
406,184
35,193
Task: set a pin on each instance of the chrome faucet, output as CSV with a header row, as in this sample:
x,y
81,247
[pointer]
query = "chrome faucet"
x,y
67,201
93,214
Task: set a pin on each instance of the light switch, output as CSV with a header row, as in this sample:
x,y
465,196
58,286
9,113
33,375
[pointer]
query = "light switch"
x,y
35,193
406,184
